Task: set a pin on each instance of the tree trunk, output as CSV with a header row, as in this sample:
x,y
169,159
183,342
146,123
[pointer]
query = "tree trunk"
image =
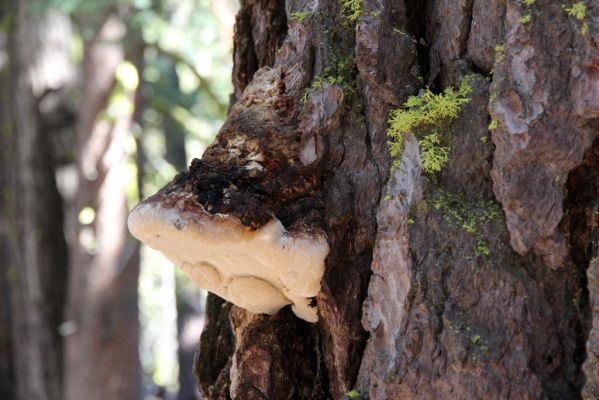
x,y
469,282
34,71
102,359
189,326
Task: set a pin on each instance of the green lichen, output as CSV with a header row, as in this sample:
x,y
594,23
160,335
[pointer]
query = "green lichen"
x,y
490,211
492,97
429,110
494,124
455,211
477,344
352,394
427,116
433,155
341,73
299,15
584,29
352,9
335,80
316,84
471,217
499,53
478,347
525,19
338,79
579,11
481,248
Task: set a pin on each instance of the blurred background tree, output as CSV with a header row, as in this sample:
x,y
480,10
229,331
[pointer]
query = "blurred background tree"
x,y
100,102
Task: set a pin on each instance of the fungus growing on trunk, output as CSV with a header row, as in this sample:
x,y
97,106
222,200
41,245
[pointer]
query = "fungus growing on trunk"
x,y
261,270
245,221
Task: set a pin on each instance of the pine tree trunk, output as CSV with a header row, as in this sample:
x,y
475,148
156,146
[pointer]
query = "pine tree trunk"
x,y
35,68
466,283
102,357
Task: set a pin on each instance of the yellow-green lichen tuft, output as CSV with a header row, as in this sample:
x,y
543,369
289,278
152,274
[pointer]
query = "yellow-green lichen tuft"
x,y
427,116
352,9
299,15
584,29
352,394
525,19
481,248
433,155
494,124
579,11
316,84
499,53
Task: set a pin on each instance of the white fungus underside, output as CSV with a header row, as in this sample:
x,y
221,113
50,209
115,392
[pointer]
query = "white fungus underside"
x,y
261,271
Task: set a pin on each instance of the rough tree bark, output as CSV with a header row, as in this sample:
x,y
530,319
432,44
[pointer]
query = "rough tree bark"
x,y
470,283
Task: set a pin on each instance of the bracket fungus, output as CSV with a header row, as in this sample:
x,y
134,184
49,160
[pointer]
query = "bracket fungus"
x,y
260,270
245,222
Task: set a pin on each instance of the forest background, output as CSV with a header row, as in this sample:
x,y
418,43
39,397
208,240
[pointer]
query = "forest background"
x,y
101,103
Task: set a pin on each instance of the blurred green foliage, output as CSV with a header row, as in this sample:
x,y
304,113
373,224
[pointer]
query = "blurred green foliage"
x,y
185,78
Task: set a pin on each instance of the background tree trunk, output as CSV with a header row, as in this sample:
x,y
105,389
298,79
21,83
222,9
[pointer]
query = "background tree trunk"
x,y
189,325
35,70
102,304
469,283
69,111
